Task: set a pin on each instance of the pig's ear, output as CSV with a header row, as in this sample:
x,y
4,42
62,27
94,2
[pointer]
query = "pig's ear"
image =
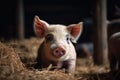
x,y
75,30
40,27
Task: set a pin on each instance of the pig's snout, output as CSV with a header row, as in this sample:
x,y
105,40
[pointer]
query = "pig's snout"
x,y
59,51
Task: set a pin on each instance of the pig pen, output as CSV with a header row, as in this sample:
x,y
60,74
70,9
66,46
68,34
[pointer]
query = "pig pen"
x,y
17,60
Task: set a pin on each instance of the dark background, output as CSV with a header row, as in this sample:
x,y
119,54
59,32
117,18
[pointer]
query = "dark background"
x,y
52,11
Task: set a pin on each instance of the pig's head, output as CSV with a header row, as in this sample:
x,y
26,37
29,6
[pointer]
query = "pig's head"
x,y
57,38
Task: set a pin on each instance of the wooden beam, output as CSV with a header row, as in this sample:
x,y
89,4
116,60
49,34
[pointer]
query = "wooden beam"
x,y
100,33
20,19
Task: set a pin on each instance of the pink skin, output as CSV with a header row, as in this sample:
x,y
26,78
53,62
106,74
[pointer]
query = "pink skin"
x,y
56,48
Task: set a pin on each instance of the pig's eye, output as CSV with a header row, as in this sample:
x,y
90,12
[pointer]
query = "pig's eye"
x,y
49,37
67,38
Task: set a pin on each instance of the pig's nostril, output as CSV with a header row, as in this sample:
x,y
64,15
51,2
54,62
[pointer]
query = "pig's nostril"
x,y
56,51
63,51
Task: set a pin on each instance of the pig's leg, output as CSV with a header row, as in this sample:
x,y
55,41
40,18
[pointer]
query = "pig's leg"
x,y
113,62
72,66
69,66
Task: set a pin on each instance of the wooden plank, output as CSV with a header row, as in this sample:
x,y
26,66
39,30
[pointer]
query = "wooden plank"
x,y
20,20
100,33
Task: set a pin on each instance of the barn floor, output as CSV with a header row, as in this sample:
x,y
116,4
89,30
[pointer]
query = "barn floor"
x,y
11,67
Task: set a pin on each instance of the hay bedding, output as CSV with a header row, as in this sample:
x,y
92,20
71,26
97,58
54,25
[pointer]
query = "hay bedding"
x,y
17,58
12,68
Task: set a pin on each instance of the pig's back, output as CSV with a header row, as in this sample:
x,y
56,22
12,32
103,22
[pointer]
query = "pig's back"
x,y
114,44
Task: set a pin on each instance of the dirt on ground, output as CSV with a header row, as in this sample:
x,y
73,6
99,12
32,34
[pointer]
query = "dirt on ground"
x,y
17,58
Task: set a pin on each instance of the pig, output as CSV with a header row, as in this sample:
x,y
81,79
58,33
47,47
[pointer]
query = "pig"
x,y
114,51
113,44
56,48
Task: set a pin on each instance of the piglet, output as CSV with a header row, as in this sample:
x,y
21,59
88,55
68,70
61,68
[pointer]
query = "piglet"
x,y
114,51
57,48
114,44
